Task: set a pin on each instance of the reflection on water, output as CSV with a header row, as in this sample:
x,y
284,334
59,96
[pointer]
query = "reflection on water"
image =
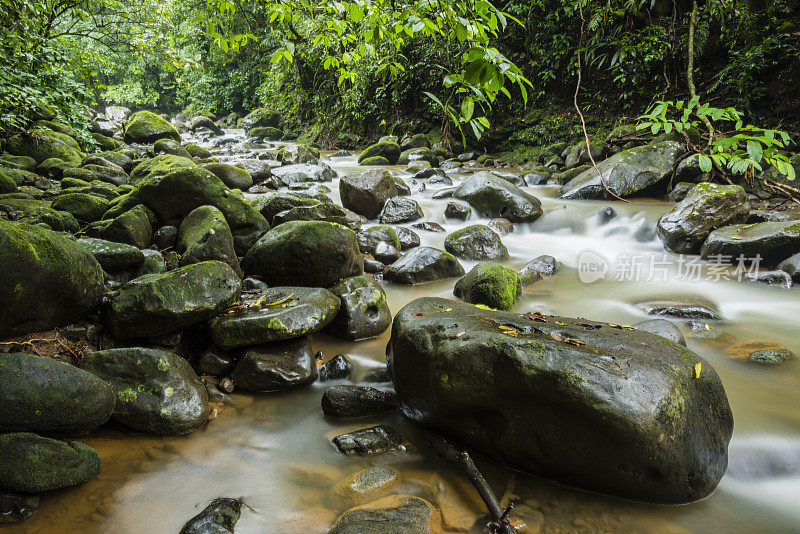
x,y
275,452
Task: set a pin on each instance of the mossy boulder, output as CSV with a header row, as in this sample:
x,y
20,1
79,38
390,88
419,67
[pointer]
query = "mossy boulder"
x,y
113,257
374,161
157,304
706,207
45,144
83,206
385,149
491,285
7,184
364,312
771,241
275,314
492,197
424,264
47,280
415,141
159,166
157,391
32,464
266,132
49,397
585,403
261,117
476,242
276,366
145,127
197,151
170,146
205,235
133,227
305,253
25,163
232,176
367,192
105,142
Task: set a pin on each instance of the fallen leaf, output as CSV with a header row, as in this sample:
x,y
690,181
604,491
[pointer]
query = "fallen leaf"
x,y
696,370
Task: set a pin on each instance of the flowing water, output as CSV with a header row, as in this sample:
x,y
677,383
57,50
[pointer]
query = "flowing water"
x,y
274,449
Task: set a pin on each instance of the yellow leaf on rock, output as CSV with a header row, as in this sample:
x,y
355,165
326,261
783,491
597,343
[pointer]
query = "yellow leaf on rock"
x,y
696,370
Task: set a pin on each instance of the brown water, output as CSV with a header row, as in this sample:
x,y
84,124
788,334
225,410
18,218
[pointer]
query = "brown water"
x,y
274,450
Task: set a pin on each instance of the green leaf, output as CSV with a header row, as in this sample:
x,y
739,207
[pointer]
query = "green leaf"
x,y
467,108
705,163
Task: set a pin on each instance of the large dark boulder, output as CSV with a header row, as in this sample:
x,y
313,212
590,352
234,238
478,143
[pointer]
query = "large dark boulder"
x,y
38,213
157,304
592,405
205,235
705,208
772,241
274,314
46,396
46,280
276,366
305,253
367,192
43,144
146,127
476,242
364,312
423,264
157,391
32,464
232,176
491,196
303,173
639,170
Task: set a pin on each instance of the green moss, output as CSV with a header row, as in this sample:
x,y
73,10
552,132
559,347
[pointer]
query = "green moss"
x,y
388,150
160,165
374,161
147,127
266,132
490,284
7,185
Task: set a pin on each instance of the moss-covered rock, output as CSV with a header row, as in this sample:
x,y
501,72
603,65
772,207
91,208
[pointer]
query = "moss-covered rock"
x,y
157,391
45,144
275,314
113,257
326,211
266,132
24,163
47,280
35,212
374,161
105,142
170,146
585,403
197,151
7,184
476,242
49,397
364,312
133,227
157,304
83,206
261,117
490,284
146,127
205,235
232,176
159,166
385,149
414,155
305,253
32,464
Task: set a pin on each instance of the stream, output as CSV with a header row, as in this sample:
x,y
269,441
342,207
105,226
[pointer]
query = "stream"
x,y
274,450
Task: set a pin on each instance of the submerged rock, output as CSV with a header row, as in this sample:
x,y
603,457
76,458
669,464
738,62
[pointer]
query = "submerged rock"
x,y
372,440
157,391
46,396
17,506
274,314
356,401
476,242
276,366
32,464
681,308
492,196
364,312
397,514
588,404
219,517
771,357
423,264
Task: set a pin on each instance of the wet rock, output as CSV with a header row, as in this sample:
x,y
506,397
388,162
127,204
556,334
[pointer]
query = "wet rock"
x,y
261,117
408,238
791,266
46,280
429,226
219,517
165,237
423,264
307,253
439,177
638,170
215,361
38,213
170,146
491,196
133,227
157,391
770,278
668,441
378,375
260,171
415,141
321,212
32,464
757,216
510,177
16,507
476,242
157,304
490,284
579,155
275,314
302,173
538,268
772,241
364,312
145,128
369,238
43,144
367,484
367,192
705,208
399,210
455,210
447,192
386,253
680,191
271,205
538,176
606,214
663,328
397,514
49,397
771,357
357,401
83,206
385,149
501,226
159,166
372,440
276,366
205,235
113,257
232,176
338,367
681,308
373,266
703,330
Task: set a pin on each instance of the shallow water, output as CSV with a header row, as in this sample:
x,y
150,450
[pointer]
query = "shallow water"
x,y
274,449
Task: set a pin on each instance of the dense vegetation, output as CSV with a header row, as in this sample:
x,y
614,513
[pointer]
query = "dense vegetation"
x,y
346,71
